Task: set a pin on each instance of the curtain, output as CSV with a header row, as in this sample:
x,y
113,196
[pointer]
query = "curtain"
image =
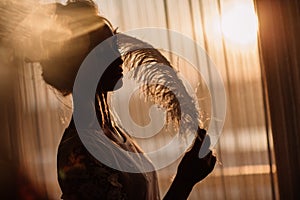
x,y
245,168
279,47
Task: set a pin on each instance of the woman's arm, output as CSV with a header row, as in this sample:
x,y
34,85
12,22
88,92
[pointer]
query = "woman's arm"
x,y
179,190
191,169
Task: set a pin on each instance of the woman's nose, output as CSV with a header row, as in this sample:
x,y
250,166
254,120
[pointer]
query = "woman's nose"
x,y
116,65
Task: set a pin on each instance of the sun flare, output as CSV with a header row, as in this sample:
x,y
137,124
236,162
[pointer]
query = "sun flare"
x,y
240,24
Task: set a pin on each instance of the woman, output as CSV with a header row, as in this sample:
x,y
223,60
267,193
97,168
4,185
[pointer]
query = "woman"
x,y
80,175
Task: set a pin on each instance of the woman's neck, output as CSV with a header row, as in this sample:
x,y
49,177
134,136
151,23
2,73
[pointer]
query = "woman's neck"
x,y
102,109
104,118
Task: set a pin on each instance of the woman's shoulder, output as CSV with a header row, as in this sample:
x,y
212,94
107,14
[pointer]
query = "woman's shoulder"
x,y
81,175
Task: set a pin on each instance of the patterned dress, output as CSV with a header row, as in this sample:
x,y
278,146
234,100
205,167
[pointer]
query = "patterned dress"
x,y
81,176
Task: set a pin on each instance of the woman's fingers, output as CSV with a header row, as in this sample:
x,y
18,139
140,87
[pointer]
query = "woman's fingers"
x,y
198,140
210,161
201,133
204,150
201,144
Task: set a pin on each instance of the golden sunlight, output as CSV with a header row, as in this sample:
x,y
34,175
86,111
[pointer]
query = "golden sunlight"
x,y
240,24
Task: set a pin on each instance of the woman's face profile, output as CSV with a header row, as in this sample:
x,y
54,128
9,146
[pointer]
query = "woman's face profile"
x,y
112,77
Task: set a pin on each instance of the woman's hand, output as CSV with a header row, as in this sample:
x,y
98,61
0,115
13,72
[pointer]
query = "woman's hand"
x,y
192,168
195,166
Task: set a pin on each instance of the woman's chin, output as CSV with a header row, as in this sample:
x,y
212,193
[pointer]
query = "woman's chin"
x,y
117,86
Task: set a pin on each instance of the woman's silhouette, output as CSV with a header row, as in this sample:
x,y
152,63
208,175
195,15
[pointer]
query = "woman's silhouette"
x,y
78,30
